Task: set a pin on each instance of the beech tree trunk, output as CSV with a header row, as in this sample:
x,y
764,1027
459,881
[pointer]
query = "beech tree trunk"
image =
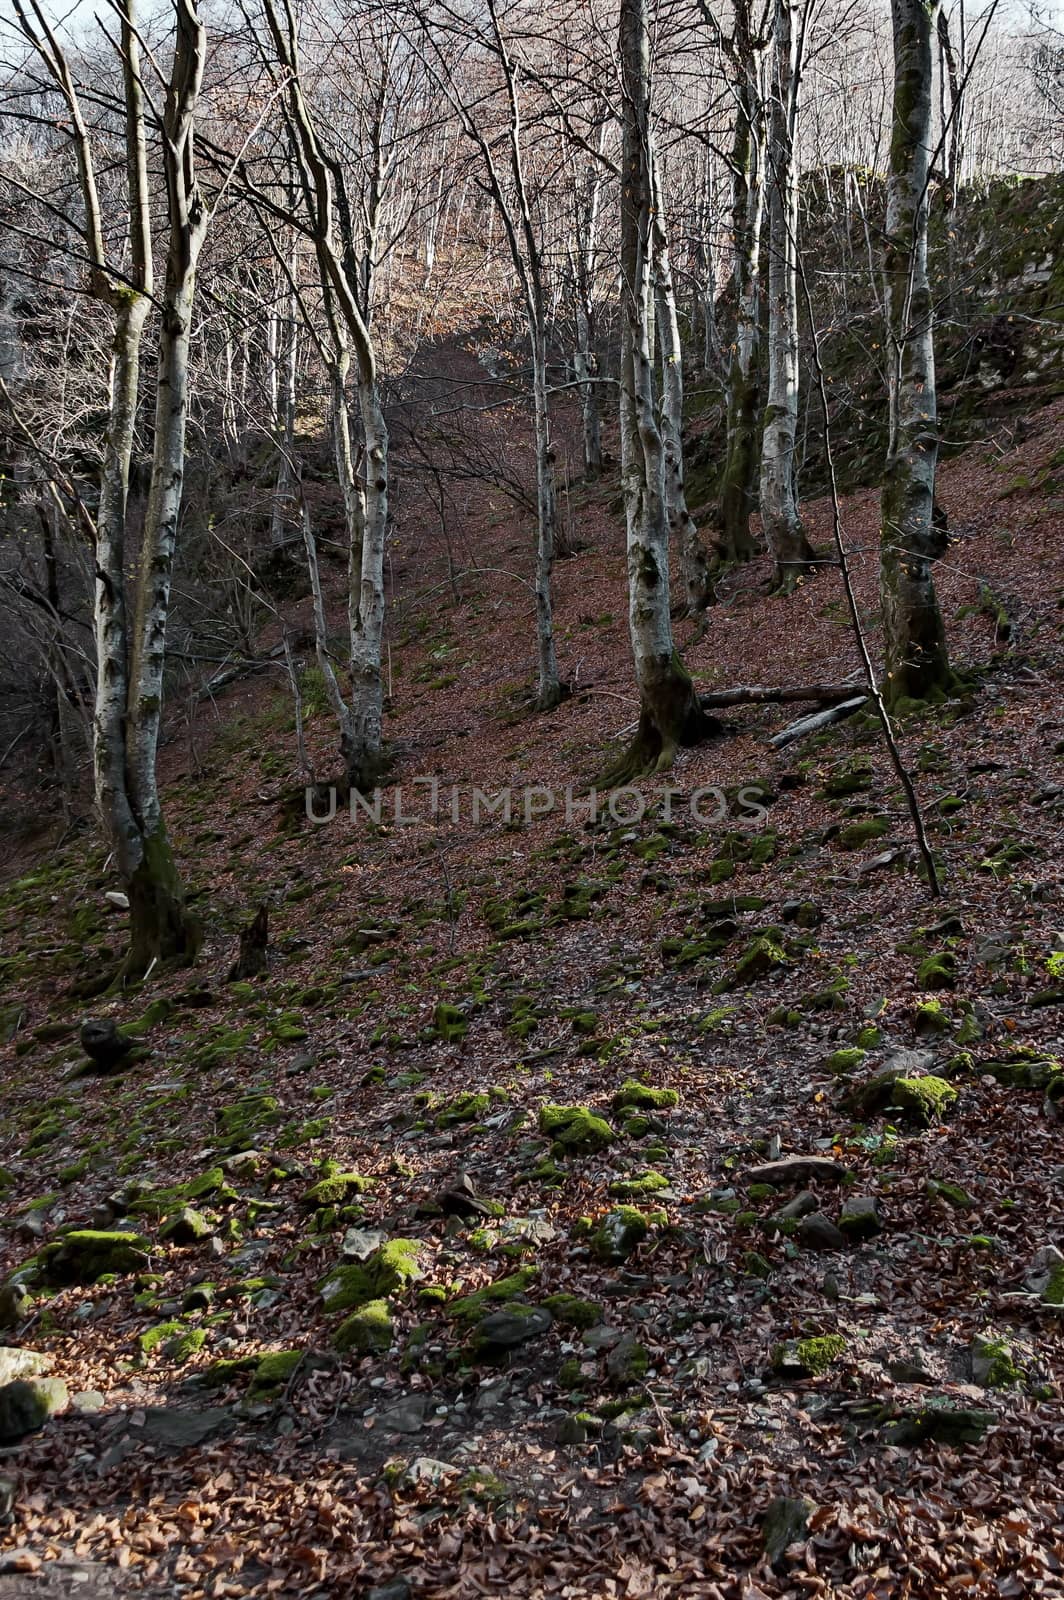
x,y
917,665
694,563
738,487
130,648
784,535
345,285
584,366
670,714
159,923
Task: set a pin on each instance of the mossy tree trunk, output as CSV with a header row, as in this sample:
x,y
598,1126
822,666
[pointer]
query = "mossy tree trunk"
x,y
739,480
131,641
160,925
790,549
916,662
670,714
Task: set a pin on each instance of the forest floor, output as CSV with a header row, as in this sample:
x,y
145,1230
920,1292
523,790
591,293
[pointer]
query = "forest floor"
x,y
631,1364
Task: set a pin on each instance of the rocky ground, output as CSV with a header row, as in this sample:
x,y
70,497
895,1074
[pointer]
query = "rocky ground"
x,y
577,1208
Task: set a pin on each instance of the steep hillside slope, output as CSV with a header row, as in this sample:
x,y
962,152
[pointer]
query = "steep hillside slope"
x,y
451,1255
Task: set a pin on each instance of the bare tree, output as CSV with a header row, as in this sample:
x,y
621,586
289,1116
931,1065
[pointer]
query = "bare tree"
x,y
669,711
131,640
328,212
914,636
787,542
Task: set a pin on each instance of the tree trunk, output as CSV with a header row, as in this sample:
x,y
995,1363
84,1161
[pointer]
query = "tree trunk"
x,y
130,650
549,691
584,364
917,665
694,563
343,282
364,754
160,926
786,539
738,486
670,714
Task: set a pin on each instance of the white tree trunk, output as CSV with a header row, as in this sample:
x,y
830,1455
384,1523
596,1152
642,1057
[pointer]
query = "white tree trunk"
x,y
693,561
917,666
669,712
744,405
780,519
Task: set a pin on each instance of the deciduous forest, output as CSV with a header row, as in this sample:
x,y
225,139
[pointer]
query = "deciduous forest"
x,y
532,939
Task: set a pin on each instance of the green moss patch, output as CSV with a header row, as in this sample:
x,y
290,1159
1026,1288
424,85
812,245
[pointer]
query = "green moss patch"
x,y
575,1130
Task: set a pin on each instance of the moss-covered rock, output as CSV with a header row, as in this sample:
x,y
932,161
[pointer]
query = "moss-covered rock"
x,y
450,1024
628,1362
952,1193
993,1364
785,1522
390,1269
569,1311
575,1130
27,1403
924,1100
186,1227
88,1254
761,956
620,1232
932,1018
335,1188
649,1182
636,1096
808,1358
470,1307
938,971
857,834
846,1060
365,1330
859,1218
273,1372
467,1107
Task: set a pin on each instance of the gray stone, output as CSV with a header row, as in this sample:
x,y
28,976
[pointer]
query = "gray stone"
x,y
859,1217
407,1416
515,1325
185,1227
799,1207
425,1469
601,1338
88,1401
15,1303
1041,1269
244,1166
628,1362
818,1232
360,1243
17,1363
171,1429
940,1423
903,1371
105,1047
27,1403
798,1169
786,1521
394,1589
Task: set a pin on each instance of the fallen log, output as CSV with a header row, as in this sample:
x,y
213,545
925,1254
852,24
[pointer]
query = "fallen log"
x,y
818,720
822,693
